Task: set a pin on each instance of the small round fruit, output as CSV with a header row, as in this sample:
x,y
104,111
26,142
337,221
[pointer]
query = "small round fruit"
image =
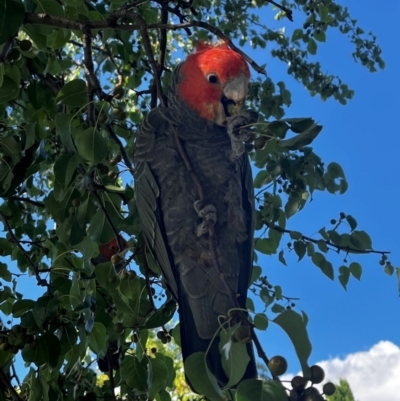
x,y
115,259
124,275
153,350
112,174
14,55
76,202
310,391
14,349
259,143
25,45
122,116
298,383
132,274
17,329
119,328
119,92
277,365
5,347
329,388
160,335
317,374
242,334
116,112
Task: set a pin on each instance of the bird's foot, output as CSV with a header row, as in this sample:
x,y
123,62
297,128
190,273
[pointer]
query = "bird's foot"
x,y
237,130
208,214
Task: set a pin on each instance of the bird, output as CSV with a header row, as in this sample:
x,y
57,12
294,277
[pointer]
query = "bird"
x,y
195,197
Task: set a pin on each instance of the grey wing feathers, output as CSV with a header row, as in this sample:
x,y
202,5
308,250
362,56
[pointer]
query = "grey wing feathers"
x,y
147,198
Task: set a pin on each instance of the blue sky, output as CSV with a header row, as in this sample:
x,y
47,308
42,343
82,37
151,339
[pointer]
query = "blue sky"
x,y
363,137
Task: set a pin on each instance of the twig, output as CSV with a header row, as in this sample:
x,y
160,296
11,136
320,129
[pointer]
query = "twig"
x,y
339,248
41,282
27,200
287,11
8,385
124,155
260,352
93,81
216,32
110,222
140,24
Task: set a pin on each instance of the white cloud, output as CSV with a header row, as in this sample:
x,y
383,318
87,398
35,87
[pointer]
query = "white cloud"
x,y
373,375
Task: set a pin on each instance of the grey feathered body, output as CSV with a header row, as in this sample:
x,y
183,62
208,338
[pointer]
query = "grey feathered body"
x,y
166,192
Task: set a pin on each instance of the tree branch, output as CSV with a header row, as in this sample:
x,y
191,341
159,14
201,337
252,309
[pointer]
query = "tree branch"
x,y
3,378
27,200
41,282
287,11
347,249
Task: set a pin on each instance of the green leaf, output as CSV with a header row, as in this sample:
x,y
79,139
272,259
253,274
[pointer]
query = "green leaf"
x,y
320,35
303,139
293,324
281,258
388,269
107,276
134,373
91,145
255,274
12,14
360,240
258,390
297,34
312,46
63,124
291,207
131,288
266,246
234,356
261,321
344,275
300,249
356,270
22,306
97,338
73,93
352,222
157,376
295,235
201,378
68,337
322,245
262,178
9,90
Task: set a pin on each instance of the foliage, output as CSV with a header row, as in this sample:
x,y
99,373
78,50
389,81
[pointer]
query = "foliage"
x,y
343,392
76,79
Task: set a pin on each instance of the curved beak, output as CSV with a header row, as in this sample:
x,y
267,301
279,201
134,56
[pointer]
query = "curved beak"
x,y
236,91
234,94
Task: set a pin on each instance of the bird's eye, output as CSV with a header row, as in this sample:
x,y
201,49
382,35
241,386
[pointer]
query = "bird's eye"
x,y
212,78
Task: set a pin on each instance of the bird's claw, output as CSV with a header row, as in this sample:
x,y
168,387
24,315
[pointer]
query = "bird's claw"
x,y
208,214
238,134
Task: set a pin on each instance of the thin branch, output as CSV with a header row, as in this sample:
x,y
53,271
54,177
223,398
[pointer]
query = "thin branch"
x,y
287,11
139,24
216,32
27,200
9,386
41,282
347,249
124,155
